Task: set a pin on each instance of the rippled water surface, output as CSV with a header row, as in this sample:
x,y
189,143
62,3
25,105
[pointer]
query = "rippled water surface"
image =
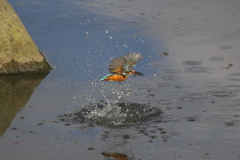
x,y
187,106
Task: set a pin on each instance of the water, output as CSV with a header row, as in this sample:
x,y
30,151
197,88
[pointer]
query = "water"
x,y
114,112
185,107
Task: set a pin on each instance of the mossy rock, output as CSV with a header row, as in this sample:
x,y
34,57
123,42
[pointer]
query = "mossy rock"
x,y
18,52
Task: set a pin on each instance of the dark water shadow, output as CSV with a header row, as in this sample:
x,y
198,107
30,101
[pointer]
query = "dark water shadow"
x,y
15,92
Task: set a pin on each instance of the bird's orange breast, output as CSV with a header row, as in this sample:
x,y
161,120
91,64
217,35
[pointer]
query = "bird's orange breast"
x,y
117,77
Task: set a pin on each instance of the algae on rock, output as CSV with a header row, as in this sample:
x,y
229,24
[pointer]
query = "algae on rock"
x,y
18,52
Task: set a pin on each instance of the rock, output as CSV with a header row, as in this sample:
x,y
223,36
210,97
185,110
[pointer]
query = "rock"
x,y
18,52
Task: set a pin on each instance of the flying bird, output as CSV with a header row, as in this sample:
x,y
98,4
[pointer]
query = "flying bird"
x,y
120,67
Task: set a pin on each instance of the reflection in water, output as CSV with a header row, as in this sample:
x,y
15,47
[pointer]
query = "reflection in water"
x,y
117,156
15,92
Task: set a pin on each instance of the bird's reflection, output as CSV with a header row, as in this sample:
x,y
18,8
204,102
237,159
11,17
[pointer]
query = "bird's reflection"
x,y
117,156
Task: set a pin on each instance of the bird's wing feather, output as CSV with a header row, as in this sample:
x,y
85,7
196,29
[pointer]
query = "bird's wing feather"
x,y
116,66
131,59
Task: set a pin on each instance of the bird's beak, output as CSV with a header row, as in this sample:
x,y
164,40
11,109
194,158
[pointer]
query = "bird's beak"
x,y
138,73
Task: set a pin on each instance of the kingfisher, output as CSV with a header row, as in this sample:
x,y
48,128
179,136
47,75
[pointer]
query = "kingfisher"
x,y
120,67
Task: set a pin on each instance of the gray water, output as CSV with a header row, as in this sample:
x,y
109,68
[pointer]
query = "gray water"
x,y
185,107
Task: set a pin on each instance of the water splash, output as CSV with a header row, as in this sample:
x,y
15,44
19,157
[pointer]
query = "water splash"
x,y
109,109
117,114
115,110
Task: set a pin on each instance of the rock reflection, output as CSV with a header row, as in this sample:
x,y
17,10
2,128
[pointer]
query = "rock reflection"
x,y
15,92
